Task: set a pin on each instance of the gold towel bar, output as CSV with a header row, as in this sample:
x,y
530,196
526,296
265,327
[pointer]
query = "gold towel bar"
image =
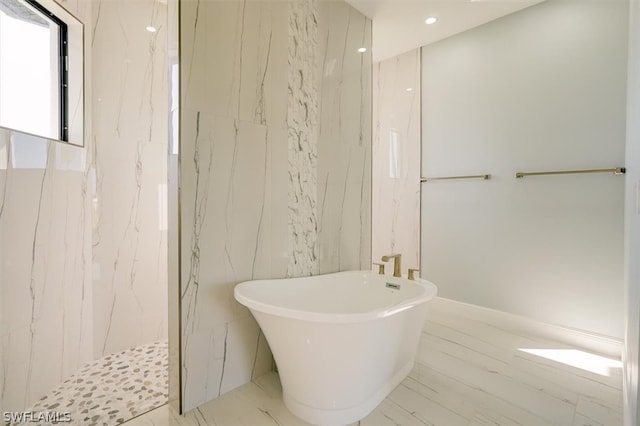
x,y
483,177
616,171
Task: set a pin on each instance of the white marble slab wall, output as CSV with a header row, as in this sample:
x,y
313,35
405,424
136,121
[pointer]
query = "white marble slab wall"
x,y
45,316
45,244
250,131
233,156
396,159
53,193
344,142
129,161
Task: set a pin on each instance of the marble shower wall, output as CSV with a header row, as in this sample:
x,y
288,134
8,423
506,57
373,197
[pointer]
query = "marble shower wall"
x,y
396,164
45,316
63,207
45,262
128,168
274,167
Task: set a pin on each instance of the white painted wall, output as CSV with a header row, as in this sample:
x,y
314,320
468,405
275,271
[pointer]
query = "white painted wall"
x,y
541,89
632,225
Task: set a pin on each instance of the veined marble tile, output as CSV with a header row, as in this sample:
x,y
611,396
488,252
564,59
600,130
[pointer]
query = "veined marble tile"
x,y
589,384
493,417
248,405
432,394
243,74
45,239
165,415
458,349
344,143
493,382
252,81
228,198
396,159
469,340
426,410
49,196
45,322
129,157
591,411
477,330
437,390
479,398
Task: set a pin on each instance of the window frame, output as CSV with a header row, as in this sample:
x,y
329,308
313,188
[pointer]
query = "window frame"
x,y
72,64
63,67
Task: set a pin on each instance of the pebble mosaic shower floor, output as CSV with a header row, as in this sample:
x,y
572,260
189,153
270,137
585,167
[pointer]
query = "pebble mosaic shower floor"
x,y
113,389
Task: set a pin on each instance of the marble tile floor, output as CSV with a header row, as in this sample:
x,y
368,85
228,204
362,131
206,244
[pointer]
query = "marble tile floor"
x,y
467,373
113,389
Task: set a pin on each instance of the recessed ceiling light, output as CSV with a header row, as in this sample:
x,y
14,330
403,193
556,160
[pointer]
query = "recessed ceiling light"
x,y
151,29
409,89
430,20
362,49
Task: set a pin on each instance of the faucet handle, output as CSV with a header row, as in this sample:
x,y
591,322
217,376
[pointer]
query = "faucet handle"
x,y
411,272
380,268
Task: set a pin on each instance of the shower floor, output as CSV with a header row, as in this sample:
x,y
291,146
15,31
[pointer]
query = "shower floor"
x,y
113,389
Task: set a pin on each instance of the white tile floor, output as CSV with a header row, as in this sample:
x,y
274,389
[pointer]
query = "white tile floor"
x,y
467,373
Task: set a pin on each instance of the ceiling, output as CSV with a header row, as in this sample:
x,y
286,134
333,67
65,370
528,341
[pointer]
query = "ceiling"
x,y
398,25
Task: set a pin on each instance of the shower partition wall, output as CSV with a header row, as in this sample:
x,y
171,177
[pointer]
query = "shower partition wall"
x,y
275,152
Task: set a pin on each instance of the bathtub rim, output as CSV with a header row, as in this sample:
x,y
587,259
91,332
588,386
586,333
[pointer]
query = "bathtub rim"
x,y
429,292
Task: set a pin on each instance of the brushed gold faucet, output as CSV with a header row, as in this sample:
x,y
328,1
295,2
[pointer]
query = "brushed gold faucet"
x,y
410,274
396,263
380,268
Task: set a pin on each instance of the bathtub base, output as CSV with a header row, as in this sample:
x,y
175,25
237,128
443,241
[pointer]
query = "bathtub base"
x,y
323,417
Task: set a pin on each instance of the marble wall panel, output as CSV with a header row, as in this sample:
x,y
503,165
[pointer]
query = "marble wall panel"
x,y
396,159
344,140
129,157
229,205
45,319
53,193
234,185
45,244
250,130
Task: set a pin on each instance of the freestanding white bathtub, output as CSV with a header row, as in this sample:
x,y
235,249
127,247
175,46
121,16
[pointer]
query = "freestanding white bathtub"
x,y
341,341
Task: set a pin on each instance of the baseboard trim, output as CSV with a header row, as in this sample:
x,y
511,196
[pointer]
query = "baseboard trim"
x,y
590,342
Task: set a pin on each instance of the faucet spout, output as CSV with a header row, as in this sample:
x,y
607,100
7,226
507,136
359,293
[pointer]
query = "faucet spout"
x,y
396,263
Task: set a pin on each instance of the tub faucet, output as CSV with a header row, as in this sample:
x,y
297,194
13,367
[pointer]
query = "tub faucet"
x,y
410,274
396,263
380,268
